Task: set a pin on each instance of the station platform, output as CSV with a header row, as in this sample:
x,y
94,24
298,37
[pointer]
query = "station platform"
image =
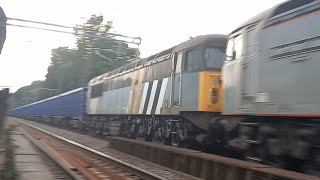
x,y
2,154
28,162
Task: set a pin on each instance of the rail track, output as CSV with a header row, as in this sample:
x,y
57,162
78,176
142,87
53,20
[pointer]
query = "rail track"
x,y
194,163
82,162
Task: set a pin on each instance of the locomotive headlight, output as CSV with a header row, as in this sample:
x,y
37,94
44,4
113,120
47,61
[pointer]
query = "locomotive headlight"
x,y
214,95
215,81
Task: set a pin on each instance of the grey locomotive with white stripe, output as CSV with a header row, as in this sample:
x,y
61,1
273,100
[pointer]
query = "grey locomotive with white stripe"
x,y
150,96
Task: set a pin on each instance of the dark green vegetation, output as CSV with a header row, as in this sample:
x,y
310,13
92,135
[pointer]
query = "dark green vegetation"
x,y
9,170
96,52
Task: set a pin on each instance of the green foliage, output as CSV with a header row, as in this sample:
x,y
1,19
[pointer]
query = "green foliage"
x,y
97,51
28,94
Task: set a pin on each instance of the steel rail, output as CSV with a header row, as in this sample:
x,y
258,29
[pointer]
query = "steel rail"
x,y
134,169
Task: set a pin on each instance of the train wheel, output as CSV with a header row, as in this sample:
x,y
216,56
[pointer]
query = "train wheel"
x,y
274,152
166,141
313,166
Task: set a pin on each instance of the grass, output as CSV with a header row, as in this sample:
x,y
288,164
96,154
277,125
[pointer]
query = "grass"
x,y
9,169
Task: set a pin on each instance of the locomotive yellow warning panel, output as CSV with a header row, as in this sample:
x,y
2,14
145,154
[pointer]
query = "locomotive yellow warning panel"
x,y
210,92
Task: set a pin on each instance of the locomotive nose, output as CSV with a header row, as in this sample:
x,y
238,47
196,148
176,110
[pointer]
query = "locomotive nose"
x,y
210,92
214,90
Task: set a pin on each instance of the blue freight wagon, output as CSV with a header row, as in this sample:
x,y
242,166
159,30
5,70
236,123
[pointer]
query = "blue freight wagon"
x,y
71,104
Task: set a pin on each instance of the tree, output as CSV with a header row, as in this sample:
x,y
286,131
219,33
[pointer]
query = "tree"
x,y
27,94
97,51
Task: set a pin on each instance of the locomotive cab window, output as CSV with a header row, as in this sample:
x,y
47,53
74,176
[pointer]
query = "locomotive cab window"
x,y
192,62
178,63
213,57
96,90
234,48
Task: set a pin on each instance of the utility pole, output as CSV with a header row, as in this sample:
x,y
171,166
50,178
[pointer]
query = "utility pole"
x,y
4,95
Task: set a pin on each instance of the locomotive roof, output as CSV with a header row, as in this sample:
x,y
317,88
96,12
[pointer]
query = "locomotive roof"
x,y
280,8
214,39
254,19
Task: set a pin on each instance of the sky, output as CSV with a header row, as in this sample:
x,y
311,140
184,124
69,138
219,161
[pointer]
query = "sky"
x,y
161,24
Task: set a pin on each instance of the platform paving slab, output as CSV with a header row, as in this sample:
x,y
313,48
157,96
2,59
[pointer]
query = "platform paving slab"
x,y
34,176
2,152
2,158
29,164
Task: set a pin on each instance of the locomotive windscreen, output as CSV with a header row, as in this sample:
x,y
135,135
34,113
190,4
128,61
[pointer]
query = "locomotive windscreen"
x,y
214,57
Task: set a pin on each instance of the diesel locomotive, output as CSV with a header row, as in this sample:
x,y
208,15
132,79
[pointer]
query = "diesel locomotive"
x,y
250,95
166,97
270,85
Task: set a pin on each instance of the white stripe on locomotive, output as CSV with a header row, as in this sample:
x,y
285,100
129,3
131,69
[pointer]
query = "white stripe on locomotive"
x,y
161,95
143,98
153,92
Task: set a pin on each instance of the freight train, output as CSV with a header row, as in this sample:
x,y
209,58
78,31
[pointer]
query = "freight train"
x,y
251,95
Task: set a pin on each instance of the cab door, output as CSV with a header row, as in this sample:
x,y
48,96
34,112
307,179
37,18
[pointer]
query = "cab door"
x,y
176,77
232,76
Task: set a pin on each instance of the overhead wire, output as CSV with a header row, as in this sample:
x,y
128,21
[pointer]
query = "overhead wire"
x,y
38,28
38,22
135,40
